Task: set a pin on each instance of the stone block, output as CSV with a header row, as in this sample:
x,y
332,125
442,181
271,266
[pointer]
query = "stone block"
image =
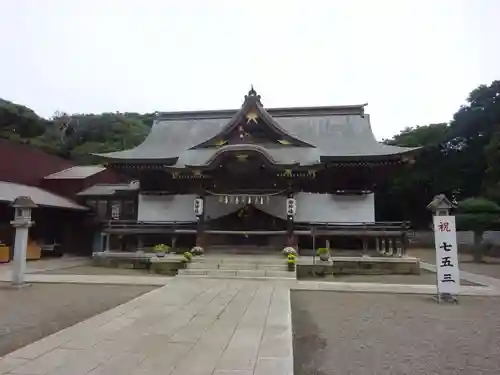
x,y
361,266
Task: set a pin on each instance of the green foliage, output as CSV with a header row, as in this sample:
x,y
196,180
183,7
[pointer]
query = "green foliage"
x,y
86,133
491,180
460,159
188,256
323,251
478,205
477,214
17,121
161,248
291,261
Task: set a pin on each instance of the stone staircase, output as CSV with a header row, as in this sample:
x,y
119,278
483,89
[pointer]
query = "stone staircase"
x,y
238,266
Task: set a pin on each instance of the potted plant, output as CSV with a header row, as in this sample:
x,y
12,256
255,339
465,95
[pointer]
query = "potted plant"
x,y
291,262
324,253
289,250
160,249
188,256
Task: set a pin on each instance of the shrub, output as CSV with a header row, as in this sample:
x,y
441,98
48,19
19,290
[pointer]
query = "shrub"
x,y
291,256
291,261
188,256
478,215
161,248
323,251
197,250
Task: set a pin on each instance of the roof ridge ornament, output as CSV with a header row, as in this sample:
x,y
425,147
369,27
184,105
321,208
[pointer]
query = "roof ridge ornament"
x,y
252,95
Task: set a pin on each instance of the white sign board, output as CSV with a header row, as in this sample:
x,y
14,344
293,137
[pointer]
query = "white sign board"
x,y
445,238
291,206
198,206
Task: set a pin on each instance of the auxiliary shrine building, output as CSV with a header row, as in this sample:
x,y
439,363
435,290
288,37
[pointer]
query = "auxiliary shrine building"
x,y
267,177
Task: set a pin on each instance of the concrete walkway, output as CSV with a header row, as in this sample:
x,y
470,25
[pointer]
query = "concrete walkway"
x,y
188,327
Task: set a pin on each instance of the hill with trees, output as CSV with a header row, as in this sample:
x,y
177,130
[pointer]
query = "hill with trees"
x,y
460,159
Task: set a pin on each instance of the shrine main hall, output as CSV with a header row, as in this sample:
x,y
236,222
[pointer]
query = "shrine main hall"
x,y
254,176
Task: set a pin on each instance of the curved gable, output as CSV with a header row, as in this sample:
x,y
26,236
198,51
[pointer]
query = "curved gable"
x,y
252,124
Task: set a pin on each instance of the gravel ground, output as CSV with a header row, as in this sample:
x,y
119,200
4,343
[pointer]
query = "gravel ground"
x,y
34,312
356,333
491,266
94,270
425,278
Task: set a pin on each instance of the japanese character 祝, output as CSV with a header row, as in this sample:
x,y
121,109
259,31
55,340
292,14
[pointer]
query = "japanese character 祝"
x,y
444,226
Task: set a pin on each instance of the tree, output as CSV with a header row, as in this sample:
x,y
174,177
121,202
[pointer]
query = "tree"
x,y
406,194
477,215
460,159
17,121
491,180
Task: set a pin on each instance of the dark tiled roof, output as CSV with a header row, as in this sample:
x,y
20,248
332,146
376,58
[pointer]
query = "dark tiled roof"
x,y
9,192
107,189
334,132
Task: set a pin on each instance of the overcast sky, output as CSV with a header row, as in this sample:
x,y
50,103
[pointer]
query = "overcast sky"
x,y
414,62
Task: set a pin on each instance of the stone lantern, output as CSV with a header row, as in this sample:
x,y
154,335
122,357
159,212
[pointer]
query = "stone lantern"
x,y
22,222
441,205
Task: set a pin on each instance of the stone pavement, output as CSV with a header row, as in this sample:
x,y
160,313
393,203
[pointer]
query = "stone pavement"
x,y
189,326
43,265
94,279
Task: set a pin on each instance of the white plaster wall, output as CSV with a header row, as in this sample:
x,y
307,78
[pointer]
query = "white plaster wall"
x,y
329,208
311,208
166,208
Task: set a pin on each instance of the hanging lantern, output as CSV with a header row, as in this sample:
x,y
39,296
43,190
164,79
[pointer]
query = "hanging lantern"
x,y
249,199
236,200
226,200
261,200
221,199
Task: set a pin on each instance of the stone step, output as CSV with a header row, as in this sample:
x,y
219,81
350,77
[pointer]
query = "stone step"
x,y
237,260
236,267
237,273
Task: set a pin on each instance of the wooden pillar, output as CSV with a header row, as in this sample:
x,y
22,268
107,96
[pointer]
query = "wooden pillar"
x,y
391,244
404,239
365,245
377,245
107,244
399,247
174,242
383,246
